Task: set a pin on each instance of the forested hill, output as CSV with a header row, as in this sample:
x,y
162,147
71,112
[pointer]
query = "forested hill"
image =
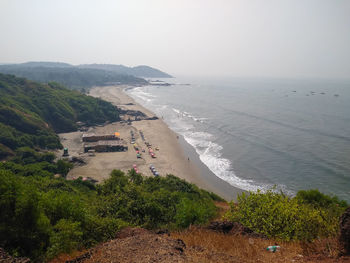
x,y
68,75
31,113
83,76
139,71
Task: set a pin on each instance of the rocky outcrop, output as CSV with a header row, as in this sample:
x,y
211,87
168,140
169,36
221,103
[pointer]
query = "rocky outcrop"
x,y
221,226
80,258
131,232
234,228
239,229
345,232
134,113
6,258
136,245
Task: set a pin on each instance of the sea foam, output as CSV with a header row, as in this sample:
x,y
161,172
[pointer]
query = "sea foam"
x,y
210,152
141,94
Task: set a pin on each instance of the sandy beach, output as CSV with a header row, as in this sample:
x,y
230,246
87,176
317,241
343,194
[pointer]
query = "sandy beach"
x,y
173,157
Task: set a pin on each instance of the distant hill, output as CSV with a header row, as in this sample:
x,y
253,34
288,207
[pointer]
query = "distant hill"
x,y
83,76
68,75
31,113
46,64
139,71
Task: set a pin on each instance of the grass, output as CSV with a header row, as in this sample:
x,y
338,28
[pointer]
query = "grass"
x,y
208,246
204,245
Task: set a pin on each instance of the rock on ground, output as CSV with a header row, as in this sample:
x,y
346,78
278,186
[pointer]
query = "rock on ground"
x,y
345,232
6,258
136,245
233,228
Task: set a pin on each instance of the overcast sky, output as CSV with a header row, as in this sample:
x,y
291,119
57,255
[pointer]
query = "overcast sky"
x,y
266,38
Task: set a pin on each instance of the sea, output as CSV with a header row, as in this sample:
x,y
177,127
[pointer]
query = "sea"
x,y
260,133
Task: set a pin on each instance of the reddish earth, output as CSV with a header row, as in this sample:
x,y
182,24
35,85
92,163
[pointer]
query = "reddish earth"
x,y
195,245
136,245
6,258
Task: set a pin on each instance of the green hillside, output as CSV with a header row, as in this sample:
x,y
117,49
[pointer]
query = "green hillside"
x,y
31,113
70,76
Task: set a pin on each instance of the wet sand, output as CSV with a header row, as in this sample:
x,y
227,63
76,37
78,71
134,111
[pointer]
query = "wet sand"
x,y
171,158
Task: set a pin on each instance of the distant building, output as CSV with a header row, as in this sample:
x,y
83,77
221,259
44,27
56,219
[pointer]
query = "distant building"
x,y
80,123
106,146
92,137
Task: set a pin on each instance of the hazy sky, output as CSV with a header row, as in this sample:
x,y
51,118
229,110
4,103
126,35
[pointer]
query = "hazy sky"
x,y
278,38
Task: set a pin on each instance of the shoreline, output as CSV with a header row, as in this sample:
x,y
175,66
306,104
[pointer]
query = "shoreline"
x,y
175,155
212,182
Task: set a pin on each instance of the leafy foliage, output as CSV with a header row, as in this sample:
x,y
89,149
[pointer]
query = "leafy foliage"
x,y
154,201
28,162
42,216
70,76
277,215
318,199
24,229
67,236
31,113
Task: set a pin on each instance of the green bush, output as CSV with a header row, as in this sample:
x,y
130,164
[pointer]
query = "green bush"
x,y
42,216
279,216
66,236
63,167
24,228
318,199
155,201
189,212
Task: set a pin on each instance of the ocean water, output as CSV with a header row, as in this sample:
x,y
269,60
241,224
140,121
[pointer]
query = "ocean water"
x,y
262,133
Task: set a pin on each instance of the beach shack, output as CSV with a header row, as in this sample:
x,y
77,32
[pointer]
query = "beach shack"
x,y
106,146
92,137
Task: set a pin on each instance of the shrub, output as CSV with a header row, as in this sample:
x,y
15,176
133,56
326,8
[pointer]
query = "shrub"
x,y
66,236
318,199
189,212
154,201
63,167
42,216
277,215
24,228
